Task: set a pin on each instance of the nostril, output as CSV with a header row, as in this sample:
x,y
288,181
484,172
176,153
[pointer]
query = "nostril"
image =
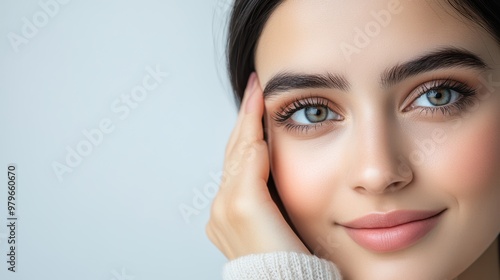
x,y
393,187
383,184
378,175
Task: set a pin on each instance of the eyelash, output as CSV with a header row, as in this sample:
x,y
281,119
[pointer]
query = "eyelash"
x,y
285,113
466,97
467,93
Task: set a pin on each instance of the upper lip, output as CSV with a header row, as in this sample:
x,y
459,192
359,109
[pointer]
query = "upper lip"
x,y
390,219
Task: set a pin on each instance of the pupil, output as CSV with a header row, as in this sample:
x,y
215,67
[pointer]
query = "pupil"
x,y
316,114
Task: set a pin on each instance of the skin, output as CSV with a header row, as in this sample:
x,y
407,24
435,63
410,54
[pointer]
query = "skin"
x,y
364,163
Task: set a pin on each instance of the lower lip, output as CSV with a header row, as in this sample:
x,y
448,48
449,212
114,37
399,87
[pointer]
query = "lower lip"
x,y
393,238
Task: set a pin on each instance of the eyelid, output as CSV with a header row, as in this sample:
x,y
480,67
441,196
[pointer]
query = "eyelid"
x,y
461,87
286,111
283,116
467,93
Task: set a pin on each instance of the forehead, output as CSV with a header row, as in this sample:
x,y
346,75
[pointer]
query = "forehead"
x,y
359,37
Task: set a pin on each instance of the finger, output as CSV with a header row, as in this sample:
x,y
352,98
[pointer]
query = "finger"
x,y
253,112
249,131
249,152
251,86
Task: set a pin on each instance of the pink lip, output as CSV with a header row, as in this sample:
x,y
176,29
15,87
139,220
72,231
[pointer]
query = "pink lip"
x,y
393,231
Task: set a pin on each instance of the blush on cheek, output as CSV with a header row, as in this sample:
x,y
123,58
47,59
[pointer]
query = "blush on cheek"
x,y
303,177
471,159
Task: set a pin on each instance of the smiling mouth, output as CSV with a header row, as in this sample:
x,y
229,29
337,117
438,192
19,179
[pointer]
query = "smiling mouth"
x,y
393,231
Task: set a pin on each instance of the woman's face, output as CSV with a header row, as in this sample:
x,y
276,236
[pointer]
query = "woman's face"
x,y
384,107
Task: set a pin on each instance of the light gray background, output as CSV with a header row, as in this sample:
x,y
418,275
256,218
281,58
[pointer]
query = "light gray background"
x,y
116,215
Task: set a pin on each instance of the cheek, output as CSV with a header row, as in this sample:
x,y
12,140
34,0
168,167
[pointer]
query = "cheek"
x,y
466,169
304,174
472,159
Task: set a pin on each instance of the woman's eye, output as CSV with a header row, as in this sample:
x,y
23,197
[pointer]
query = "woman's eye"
x,y
314,114
437,97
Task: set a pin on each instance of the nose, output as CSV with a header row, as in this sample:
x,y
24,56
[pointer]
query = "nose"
x,y
376,159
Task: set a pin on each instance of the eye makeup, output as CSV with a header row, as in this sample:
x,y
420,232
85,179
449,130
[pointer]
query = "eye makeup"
x,y
465,97
283,117
452,98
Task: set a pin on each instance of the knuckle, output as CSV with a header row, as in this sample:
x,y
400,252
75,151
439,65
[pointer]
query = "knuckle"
x,y
239,209
244,150
249,148
230,209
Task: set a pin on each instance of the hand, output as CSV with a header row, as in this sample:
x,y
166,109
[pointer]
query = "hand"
x,y
244,218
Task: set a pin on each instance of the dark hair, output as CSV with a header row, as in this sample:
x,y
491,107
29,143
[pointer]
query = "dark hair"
x,y
248,18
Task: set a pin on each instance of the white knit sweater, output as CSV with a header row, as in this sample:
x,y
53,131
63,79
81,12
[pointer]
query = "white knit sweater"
x,y
279,266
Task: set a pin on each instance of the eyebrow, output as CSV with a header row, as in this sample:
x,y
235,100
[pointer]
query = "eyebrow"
x,y
286,81
442,58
